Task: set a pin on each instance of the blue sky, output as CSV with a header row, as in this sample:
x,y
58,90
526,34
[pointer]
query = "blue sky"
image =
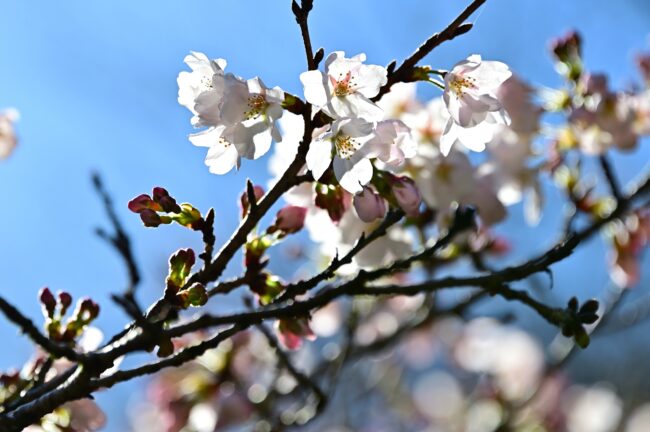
x,y
95,83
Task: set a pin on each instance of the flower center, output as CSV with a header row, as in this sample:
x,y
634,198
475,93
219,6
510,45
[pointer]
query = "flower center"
x,y
257,105
345,146
344,85
223,142
460,84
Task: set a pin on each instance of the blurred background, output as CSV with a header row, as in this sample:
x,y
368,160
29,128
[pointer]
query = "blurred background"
x,y
95,83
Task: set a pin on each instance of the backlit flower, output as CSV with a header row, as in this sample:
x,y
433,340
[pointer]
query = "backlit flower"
x,y
345,144
345,88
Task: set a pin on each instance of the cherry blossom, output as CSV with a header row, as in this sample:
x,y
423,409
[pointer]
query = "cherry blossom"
x,y
345,88
200,80
514,177
240,115
470,96
393,142
351,163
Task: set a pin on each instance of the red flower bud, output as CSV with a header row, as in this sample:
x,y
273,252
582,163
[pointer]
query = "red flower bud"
x,y
47,302
143,202
258,192
334,199
150,218
168,204
290,219
65,300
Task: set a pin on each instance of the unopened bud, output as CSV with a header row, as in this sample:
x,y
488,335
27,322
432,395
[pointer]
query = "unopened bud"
x,y
180,265
258,192
196,295
47,302
87,310
407,195
65,300
162,197
290,219
334,199
143,202
368,205
150,218
291,332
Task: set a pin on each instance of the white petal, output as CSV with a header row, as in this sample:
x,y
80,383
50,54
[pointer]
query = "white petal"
x,y
314,87
207,138
222,159
371,78
448,137
319,157
353,176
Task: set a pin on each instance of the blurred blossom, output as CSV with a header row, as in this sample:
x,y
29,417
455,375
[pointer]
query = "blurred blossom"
x,y
326,321
639,420
400,100
8,138
516,96
483,416
629,239
514,359
594,409
439,397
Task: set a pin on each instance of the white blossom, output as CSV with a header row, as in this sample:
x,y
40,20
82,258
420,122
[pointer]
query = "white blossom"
x,y
240,115
200,80
345,88
470,96
346,139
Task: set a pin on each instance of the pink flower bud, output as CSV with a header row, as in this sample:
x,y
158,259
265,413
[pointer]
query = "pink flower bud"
x,y
407,195
258,191
368,205
290,219
291,332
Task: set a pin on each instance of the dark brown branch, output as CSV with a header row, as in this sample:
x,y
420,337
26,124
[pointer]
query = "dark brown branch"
x,y
227,286
455,28
302,287
612,181
28,328
300,377
119,240
177,359
302,14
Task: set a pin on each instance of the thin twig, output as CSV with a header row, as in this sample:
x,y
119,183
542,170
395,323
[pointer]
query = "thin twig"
x,y
28,328
455,28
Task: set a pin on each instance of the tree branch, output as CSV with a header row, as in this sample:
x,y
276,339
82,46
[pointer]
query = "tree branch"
x,y
455,28
28,328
